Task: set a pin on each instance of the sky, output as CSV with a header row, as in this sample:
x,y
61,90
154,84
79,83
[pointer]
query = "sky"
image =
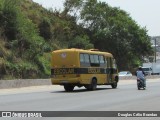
x,y
144,12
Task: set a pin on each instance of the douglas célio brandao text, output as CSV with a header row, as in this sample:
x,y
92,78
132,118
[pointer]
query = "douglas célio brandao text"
x,y
136,114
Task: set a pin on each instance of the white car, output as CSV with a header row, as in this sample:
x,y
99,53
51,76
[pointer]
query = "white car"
x,y
125,73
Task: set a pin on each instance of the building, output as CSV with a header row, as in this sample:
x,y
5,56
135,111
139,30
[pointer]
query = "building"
x,y
156,45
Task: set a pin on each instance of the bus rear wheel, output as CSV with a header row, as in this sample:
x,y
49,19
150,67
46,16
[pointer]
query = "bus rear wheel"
x,y
92,86
68,88
114,85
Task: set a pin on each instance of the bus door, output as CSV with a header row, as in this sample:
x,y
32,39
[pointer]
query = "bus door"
x,y
109,70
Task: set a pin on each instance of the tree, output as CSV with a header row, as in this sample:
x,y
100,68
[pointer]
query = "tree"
x,y
113,30
81,42
45,29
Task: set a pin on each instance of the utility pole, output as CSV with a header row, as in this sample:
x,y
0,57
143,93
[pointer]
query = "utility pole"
x,y
155,42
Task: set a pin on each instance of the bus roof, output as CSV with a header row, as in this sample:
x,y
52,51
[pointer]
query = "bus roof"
x,y
90,51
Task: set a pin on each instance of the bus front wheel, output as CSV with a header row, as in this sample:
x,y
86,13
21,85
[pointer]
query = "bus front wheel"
x,y
68,88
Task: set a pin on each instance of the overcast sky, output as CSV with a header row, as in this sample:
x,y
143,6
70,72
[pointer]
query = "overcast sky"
x,y
144,12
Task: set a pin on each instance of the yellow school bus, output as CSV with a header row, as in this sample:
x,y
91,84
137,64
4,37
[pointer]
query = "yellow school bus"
x,y
88,68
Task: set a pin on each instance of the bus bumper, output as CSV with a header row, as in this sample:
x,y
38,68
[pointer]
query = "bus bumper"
x,y
56,81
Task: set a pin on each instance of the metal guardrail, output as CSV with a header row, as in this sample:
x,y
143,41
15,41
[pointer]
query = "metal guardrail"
x,y
134,77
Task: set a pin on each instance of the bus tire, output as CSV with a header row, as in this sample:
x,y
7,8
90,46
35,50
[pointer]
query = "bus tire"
x,y
114,85
68,88
117,79
92,86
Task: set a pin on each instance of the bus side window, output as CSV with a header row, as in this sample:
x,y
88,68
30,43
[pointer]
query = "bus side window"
x,y
102,61
91,59
94,61
81,58
84,60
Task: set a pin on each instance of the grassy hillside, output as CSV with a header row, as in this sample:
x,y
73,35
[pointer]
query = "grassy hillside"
x,y
24,47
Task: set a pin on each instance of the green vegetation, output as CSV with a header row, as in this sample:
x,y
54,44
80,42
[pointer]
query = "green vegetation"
x,y
29,32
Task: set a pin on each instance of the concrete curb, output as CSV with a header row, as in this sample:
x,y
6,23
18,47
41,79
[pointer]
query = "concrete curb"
x,y
4,84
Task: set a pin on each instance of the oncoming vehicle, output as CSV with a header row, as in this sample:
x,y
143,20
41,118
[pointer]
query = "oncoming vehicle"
x,y
147,70
88,68
125,73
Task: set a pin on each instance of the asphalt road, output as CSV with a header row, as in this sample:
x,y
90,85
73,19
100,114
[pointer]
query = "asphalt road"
x,y
53,98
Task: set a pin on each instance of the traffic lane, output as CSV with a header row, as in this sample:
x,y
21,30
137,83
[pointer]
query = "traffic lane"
x,y
48,88
104,98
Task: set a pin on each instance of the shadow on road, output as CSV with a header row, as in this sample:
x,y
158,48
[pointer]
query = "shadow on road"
x,y
81,90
